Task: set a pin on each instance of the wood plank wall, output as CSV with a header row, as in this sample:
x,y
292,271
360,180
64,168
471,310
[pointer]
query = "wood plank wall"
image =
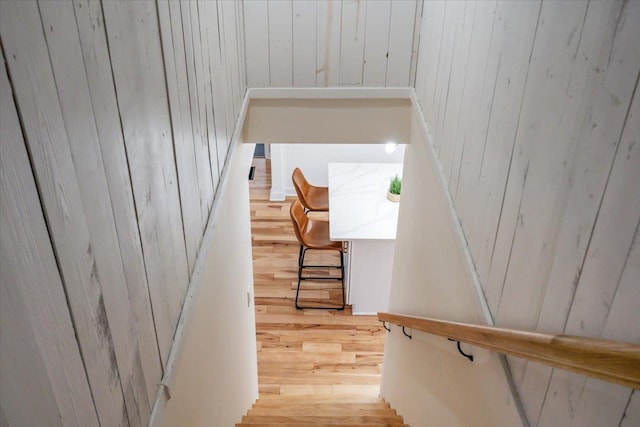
x,y
331,43
534,111
116,122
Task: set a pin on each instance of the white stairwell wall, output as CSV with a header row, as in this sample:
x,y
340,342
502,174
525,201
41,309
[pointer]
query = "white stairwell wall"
x,y
425,379
331,43
115,122
214,370
533,114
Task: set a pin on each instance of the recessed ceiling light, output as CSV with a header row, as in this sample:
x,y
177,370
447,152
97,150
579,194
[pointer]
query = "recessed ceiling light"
x,y
390,147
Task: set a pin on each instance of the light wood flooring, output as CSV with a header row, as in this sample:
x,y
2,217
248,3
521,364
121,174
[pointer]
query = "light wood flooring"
x,y
303,352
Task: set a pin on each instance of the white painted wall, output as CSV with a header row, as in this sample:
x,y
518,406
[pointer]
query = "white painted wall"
x,y
126,111
532,108
313,160
331,43
214,377
425,379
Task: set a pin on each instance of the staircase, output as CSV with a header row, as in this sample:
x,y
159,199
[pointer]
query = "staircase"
x,y
315,410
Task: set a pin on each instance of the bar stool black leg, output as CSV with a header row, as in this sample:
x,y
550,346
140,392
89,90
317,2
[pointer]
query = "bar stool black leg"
x,y
300,255
301,265
344,302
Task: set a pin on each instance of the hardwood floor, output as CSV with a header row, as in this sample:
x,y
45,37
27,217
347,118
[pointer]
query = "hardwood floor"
x,y
304,351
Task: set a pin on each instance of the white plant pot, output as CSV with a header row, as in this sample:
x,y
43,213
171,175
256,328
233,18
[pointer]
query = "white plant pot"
x,y
393,197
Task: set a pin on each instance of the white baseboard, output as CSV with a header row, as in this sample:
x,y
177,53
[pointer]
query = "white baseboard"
x,y
276,196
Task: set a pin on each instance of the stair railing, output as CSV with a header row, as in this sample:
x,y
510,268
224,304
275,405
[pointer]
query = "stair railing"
x,y
613,361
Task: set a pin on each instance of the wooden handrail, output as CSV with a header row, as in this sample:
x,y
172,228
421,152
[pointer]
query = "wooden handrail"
x,y
613,361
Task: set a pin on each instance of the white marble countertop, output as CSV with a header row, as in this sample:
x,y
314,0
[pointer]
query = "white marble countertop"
x,y
358,205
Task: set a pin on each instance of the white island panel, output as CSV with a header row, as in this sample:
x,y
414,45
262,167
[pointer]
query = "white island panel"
x,y
371,264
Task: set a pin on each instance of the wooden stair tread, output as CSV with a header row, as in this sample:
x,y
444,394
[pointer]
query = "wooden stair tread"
x,y
328,412
319,398
336,419
384,406
321,409
317,425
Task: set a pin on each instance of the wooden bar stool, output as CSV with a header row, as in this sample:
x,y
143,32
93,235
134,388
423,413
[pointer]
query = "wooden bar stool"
x,y
312,198
314,235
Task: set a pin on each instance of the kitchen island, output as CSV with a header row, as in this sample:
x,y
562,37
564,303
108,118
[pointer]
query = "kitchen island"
x,y
361,216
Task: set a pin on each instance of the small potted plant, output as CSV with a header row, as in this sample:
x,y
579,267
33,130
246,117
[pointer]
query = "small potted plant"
x,y
395,187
